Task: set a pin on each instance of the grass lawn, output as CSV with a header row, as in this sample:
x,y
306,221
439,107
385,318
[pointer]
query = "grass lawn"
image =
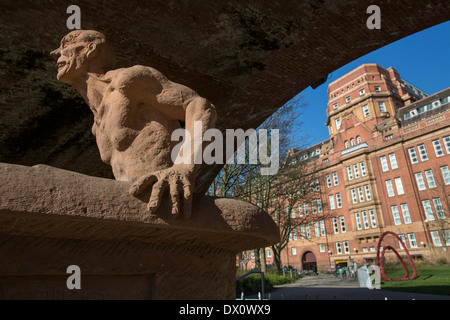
x,y
435,280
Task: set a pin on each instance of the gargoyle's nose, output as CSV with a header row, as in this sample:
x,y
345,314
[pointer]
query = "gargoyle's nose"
x,y
56,53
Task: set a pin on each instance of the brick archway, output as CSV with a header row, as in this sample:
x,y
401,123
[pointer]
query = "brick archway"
x,y
309,261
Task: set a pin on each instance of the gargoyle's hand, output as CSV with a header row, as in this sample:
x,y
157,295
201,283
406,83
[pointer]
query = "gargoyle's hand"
x,y
178,179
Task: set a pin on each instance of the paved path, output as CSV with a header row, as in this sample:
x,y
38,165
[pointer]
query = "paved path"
x,y
328,287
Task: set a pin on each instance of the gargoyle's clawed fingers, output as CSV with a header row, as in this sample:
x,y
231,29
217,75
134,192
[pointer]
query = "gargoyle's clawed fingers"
x,y
143,184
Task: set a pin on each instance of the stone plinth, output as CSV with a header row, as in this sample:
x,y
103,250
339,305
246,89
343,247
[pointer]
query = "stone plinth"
x,y
52,218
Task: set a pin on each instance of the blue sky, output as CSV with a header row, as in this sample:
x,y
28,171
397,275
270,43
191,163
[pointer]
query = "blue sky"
x,y
422,59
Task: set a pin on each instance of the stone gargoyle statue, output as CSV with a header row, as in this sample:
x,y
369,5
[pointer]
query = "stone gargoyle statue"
x,y
136,109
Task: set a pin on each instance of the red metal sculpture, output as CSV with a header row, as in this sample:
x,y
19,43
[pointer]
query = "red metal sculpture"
x,y
380,260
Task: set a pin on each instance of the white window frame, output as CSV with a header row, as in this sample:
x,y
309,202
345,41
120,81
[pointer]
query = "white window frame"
x,y
445,175
342,224
338,200
422,152
362,165
396,215
428,210
322,228
420,181
438,148
354,197
373,218
436,238
405,213
349,173
399,186
382,106
328,178
346,247
412,240
390,188
335,226
413,155
367,191
393,161
360,194
447,143
356,170
338,248
440,212
365,219
430,178
358,221
384,164
335,178
331,201
366,111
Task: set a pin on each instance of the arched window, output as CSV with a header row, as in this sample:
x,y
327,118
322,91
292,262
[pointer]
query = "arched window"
x,y
358,139
346,144
352,142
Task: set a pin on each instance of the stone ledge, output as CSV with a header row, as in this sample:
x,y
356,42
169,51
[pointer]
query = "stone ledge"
x,y
49,202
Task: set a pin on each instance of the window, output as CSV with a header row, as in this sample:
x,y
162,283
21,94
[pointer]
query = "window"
x,y
390,188
322,227
420,181
338,200
366,111
331,200
447,144
355,168
335,226
422,152
352,142
362,165
399,186
342,223
338,123
360,194
354,198
291,210
319,205
328,180
405,212
305,208
302,230
396,215
335,106
358,139
350,173
373,220
358,221
269,253
346,247
400,243
361,92
335,178
294,232
338,248
365,219
300,210
367,191
413,155
428,211
346,144
348,99
384,164
436,238
377,88
322,247
439,208
294,251
445,175
316,229
313,205
430,179
412,240
446,235
393,161
382,106
438,148
308,231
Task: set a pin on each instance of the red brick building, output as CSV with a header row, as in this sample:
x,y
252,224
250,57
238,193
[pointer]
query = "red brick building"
x,y
386,167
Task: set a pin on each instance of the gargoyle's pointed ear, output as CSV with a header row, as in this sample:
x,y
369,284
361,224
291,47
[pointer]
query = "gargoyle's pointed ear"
x,y
55,53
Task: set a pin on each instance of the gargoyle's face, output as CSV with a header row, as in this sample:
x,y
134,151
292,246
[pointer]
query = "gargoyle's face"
x,y
72,58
